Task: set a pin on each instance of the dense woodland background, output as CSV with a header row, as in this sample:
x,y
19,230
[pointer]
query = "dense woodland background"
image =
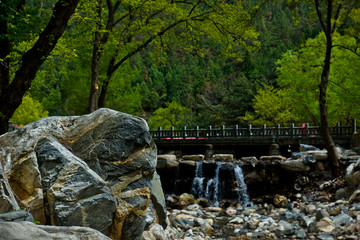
x,y
188,75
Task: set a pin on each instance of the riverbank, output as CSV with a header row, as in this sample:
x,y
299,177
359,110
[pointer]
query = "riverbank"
x,y
311,215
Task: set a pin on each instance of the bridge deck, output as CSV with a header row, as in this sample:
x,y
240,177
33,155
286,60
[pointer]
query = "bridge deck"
x,y
252,136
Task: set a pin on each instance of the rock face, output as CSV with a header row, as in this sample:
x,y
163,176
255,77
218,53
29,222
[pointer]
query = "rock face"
x,y
28,230
95,170
7,198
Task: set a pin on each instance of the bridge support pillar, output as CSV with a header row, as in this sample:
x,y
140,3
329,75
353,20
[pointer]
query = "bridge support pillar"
x,y
274,149
208,151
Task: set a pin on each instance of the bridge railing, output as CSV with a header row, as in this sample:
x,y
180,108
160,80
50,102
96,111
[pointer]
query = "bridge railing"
x,y
250,132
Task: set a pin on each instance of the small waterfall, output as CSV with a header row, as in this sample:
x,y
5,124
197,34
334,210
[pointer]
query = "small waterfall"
x,y
242,188
213,187
197,187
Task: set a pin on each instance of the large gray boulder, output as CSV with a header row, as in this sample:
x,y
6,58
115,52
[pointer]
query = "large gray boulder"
x,y
95,170
29,230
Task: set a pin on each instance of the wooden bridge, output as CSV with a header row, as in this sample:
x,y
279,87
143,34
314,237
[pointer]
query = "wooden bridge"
x,y
250,135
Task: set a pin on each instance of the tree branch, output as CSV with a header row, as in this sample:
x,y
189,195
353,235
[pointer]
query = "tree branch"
x,y
320,16
354,51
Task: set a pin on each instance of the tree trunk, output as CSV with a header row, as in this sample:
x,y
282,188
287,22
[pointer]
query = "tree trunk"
x,y
95,63
328,141
33,59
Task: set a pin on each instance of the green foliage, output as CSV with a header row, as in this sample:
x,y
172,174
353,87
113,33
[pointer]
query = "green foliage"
x,y
29,111
273,106
172,115
296,99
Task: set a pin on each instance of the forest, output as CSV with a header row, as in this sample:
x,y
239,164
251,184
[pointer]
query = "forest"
x,y
177,63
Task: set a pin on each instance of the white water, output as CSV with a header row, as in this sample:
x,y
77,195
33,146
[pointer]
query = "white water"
x,y
212,192
197,187
213,187
243,196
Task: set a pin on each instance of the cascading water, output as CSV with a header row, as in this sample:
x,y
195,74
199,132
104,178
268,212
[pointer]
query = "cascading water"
x,y
213,187
197,187
243,196
213,190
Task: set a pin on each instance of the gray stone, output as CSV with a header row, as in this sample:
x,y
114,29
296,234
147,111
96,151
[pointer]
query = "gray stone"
x,y
325,225
288,228
29,230
349,173
305,148
158,199
325,237
170,159
272,158
197,157
7,198
342,219
16,216
76,195
294,166
223,157
319,155
300,234
304,220
117,147
355,197
310,209
321,214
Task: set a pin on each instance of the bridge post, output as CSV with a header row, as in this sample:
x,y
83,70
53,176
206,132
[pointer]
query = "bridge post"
x,y
292,130
249,128
236,131
197,132
338,129
172,132
278,130
159,135
184,132
223,131
209,131
307,130
264,130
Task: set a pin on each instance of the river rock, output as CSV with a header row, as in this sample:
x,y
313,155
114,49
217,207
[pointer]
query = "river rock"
x,y
102,162
29,230
280,200
305,148
321,214
318,155
187,198
294,166
350,170
342,219
197,157
272,158
325,225
355,197
223,157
